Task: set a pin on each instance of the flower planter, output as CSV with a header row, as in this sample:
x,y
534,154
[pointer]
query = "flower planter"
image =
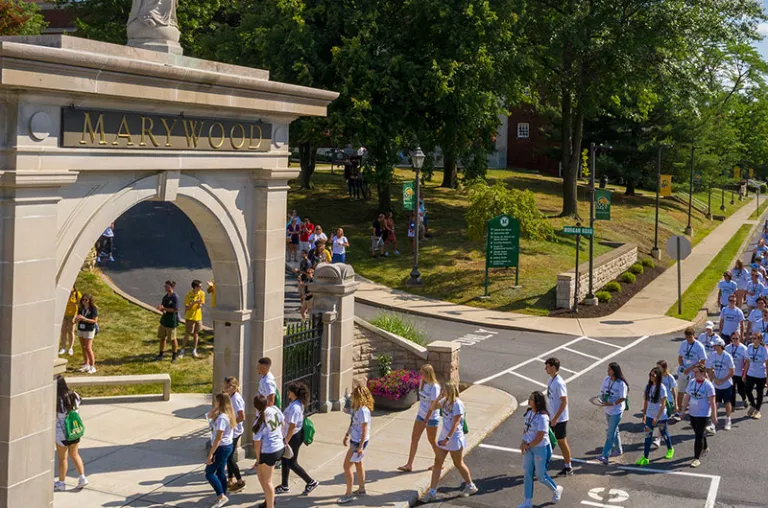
x,y
400,404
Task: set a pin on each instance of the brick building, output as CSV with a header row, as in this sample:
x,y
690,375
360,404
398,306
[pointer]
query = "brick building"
x,y
59,20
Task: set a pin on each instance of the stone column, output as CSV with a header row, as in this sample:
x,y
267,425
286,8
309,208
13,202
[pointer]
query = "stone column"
x,y
334,291
325,405
28,228
444,357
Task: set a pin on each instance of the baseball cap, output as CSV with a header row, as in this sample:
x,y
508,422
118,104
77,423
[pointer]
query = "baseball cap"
x,y
718,342
709,325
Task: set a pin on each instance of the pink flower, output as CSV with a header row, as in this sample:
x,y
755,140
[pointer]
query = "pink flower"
x,y
395,385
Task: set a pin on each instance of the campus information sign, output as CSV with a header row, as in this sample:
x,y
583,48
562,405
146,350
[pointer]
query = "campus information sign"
x,y
602,204
502,245
408,195
666,186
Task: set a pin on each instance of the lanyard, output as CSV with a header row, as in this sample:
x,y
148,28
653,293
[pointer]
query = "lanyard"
x,y
688,351
719,366
754,356
696,390
529,421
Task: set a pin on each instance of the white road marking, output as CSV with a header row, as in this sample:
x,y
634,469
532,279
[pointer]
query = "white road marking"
x,y
714,480
615,353
527,379
561,367
580,353
602,342
473,338
600,505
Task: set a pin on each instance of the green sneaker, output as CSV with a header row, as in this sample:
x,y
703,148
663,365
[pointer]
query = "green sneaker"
x,y
642,461
670,453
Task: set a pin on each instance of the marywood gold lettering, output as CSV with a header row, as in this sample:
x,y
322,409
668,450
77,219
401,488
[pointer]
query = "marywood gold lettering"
x,y
92,129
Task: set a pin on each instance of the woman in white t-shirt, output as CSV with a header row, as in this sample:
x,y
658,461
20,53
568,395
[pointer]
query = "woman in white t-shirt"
x,y
741,277
451,440
222,421
754,376
613,394
268,445
339,247
232,387
293,436
357,436
655,400
537,450
317,235
700,401
66,402
426,418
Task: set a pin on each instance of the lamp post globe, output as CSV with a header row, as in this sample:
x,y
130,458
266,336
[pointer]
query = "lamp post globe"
x,y
417,160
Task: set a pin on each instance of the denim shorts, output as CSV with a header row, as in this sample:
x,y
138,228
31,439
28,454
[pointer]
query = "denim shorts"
x,y
435,422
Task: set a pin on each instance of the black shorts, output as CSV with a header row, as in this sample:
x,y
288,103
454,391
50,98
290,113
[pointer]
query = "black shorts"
x,y
559,430
70,443
271,459
723,395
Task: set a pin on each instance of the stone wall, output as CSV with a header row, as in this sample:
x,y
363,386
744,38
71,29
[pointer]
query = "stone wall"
x,y
371,342
606,268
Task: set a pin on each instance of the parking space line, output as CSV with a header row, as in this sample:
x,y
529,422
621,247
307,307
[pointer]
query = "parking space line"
x,y
561,368
527,378
602,342
714,480
599,505
580,353
615,353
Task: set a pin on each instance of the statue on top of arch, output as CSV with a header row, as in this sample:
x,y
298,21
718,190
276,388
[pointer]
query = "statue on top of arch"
x,y
152,24
154,13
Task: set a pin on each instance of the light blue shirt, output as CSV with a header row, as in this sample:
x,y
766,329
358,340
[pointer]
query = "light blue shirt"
x,y
727,288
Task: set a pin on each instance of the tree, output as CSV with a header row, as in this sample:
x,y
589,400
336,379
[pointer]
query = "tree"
x,y
20,18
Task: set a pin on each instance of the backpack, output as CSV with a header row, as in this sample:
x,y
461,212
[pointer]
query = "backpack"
x,y
309,431
73,426
278,402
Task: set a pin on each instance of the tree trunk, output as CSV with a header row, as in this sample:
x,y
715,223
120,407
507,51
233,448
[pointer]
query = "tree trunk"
x,y
630,187
385,199
566,141
450,171
307,159
570,187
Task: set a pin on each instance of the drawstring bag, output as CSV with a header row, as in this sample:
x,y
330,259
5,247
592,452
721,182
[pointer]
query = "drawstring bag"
x,y
309,431
73,426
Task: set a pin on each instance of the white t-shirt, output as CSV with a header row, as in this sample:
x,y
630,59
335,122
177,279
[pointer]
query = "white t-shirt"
x,y
727,288
706,341
692,353
456,441
267,385
721,364
739,354
429,393
535,423
314,237
271,433
222,423
653,407
756,318
757,357
359,417
756,289
700,394
239,405
293,414
613,391
670,382
740,277
555,390
338,245
731,319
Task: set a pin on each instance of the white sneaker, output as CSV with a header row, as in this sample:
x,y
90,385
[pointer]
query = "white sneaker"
x,y
92,370
71,352
727,424
194,354
528,503
557,494
397,253
59,486
429,496
711,430
82,482
469,490
221,502
657,442
62,351
181,354
85,368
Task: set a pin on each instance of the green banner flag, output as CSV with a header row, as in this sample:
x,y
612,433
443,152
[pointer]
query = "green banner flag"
x,y
602,204
408,195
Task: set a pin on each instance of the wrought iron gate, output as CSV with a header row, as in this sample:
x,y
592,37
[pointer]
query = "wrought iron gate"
x,y
301,358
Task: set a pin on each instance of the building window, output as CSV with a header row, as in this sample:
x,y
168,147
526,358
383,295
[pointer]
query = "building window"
x,y
523,131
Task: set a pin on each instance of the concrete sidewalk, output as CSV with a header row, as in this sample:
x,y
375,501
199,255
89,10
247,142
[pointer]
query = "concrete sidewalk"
x,y
644,314
151,454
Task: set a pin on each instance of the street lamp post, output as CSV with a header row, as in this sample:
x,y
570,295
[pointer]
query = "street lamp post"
x,y
655,252
688,228
417,160
590,299
709,204
722,198
733,202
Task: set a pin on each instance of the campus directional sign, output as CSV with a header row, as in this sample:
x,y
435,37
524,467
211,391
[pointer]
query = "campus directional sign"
x,y
578,230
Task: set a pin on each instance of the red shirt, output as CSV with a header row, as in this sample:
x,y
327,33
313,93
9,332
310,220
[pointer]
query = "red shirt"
x,y
307,228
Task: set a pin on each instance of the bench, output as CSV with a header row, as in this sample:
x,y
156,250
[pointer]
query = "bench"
x,y
138,379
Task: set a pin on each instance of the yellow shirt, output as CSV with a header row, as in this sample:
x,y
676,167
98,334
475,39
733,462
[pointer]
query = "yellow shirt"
x,y
326,255
74,299
195,313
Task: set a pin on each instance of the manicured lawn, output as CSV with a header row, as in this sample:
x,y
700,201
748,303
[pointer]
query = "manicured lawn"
x,y
758,213
128,344
453,266
696,295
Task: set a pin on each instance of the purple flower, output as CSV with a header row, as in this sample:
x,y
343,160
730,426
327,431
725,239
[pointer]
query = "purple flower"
x,y
395,385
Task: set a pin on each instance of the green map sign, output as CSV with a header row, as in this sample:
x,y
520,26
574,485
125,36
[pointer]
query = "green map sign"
x,y
577,230
602,204
502,245
408,195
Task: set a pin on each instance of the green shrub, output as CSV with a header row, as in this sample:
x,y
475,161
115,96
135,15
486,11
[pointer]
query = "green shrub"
x,y
385,365
628,278
648,263
399,326
487,202
637,269
603,296
613,287
763,188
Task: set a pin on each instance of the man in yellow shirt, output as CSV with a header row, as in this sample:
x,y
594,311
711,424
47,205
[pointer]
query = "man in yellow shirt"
x,y
193,315
68,323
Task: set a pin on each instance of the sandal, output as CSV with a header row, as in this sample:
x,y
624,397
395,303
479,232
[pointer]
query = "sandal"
x,y
405,469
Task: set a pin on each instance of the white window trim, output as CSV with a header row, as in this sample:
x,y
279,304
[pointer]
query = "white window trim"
x,y
523,128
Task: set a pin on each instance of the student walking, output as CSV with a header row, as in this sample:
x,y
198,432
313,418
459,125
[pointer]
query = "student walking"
x,y
222,421
377,236
106,242
293,437
293,232
267,383
741,277
655,399
754,376
738,352
755,321
708,336
452,440
537,450
339,247
754,289
356,438
267,445
731,319
426,418
305,232
613,394
67,339
232,388
389,234
193,316
557,397
699,399
669,381
721,368
725,289
689,354
67,401
87,319
169,320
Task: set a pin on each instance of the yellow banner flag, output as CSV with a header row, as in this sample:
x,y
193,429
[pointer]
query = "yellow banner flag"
x,y
737,173
666,185
751,172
